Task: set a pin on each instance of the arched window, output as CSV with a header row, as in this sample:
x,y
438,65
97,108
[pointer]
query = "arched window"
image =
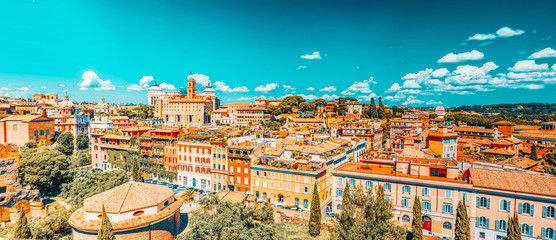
x,y
264,196
482,222
138,213
339,207
526,229
296,201
305,203
501,225
526,208
447,225
483,202
166,203
505,205
406,218
549,212
548,233
257,194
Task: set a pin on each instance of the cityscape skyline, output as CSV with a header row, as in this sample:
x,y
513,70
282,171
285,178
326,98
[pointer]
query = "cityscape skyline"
x,y
410,54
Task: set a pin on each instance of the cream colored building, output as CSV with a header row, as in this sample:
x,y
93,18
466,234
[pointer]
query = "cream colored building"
x,y
194,164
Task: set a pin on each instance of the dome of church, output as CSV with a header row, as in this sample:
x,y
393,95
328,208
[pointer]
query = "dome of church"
x,y
66,103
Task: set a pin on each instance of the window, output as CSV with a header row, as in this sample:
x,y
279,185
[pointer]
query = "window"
x,y
305,203
483,202
447,225
406,189
526,229
42,132
352,182
339,193
448,194
501,225
482,235
427,206
387,187
406,218
426,192
465,196
339,180
15,127
447,208
369,184
482,222
47,132
526,208
548,212
505,205
547,233
405,202
305,190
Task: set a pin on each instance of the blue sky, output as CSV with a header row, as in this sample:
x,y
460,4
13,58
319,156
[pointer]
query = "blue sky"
x,y
417,52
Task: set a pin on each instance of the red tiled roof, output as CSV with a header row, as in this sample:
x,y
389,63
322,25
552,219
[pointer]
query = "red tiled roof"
x,y
514,181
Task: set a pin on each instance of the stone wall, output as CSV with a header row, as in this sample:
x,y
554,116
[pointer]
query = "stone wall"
x,y
292,216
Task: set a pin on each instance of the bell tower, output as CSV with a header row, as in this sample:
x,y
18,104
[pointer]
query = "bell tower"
x,y
191,88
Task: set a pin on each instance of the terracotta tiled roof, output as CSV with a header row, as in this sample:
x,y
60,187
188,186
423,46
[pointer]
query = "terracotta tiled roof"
x,y
128,197
23,118
513,181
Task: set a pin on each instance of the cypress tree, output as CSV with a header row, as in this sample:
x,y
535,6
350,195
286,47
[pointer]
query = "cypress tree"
x,y
380,112
534,155
345,220
22,230
315,217
372,109
136,171
462,230
106,232
417,223
514,230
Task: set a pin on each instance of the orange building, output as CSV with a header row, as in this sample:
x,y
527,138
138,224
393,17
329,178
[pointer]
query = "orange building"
x,y
239,165
19,129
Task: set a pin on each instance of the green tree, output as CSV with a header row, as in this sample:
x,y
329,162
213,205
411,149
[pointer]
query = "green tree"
x,y
88,182
266,213
315,217
345,219
226,220
550,158
22,230
44,169
514,230
28,145
145,111
462,230
64,143
380,111
136,170
55,226
274,111
534,154
372,109
106,232
82,141
417,223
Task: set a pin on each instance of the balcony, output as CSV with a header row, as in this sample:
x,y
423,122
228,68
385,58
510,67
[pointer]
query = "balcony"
x,y
231,173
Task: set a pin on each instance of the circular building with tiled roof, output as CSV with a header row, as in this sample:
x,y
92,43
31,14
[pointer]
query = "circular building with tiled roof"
x,y
136,210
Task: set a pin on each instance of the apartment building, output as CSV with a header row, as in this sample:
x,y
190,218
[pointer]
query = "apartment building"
x,y
219,170
443,142
491,195
239,167
194,164
405,126
19,129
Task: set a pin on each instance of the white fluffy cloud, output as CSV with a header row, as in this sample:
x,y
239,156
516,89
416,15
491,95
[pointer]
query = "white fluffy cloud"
x,y
438,73
412,100
145,81
91,80
481,37
433,102
221,86
328,89
62,85
167,86
361,87
545,53
367,98
504,32
508,32
394,88
266,88
528,66
23,89
461,57
301,67
310,89
43,87
201,79
315,55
